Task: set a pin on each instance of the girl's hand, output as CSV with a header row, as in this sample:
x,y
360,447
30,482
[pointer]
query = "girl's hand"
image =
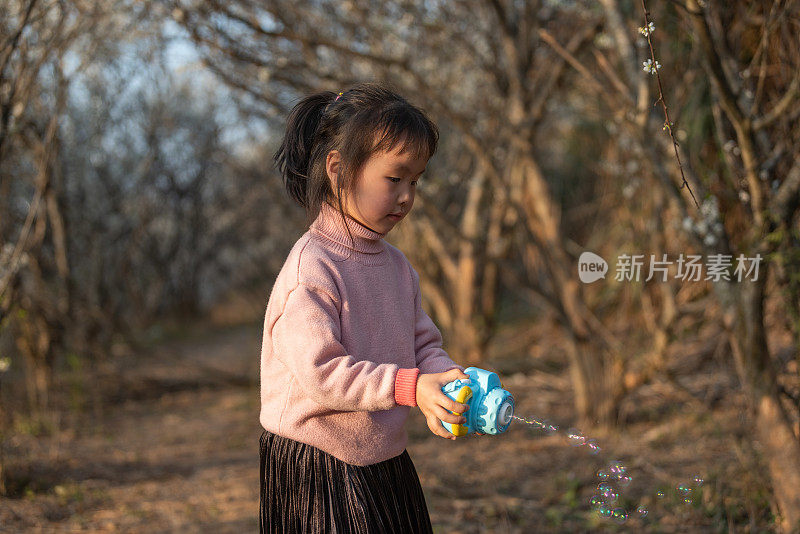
x,y
435,405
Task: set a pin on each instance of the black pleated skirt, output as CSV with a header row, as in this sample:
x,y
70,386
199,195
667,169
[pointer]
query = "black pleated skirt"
x,y
306,490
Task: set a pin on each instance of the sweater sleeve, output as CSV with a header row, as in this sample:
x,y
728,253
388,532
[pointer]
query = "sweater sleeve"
x,y
431,358
305,338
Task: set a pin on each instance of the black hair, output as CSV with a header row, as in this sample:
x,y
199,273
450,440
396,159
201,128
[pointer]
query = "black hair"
x,y
367,118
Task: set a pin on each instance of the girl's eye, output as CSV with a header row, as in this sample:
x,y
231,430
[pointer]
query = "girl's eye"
x,y
398,179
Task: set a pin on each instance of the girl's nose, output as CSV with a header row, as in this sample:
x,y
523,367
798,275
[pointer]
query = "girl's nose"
x,y
406,196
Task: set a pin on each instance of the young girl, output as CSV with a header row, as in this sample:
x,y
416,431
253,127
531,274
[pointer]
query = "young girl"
x,y
347,348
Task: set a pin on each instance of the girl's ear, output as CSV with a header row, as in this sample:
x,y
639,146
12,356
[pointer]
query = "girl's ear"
x,y
332,165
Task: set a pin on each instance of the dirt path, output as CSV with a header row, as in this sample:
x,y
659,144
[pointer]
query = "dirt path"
x,y
178,452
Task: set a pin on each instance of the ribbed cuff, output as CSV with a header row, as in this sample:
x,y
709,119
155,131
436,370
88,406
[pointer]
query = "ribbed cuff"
x,y
405,387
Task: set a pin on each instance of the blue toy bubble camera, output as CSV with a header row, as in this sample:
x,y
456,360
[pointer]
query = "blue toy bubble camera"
x,y
490,406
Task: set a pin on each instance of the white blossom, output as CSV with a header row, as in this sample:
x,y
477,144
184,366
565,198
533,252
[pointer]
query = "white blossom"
x,y
709,208
629,190
603,40
647,66
647,30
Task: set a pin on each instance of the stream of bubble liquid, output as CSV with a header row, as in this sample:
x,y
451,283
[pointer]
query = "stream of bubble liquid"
x,y
613,478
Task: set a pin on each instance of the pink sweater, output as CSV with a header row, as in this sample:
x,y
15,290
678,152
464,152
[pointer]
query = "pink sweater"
x,y
344,340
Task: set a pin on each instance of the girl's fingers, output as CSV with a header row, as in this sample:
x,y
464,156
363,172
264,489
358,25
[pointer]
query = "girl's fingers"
x,y
436,427
448,417
449,404
454,374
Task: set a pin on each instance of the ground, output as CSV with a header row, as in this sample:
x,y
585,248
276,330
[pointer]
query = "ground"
x,y
167,441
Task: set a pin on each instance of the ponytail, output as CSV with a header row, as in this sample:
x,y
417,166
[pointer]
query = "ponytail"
x,y
294,155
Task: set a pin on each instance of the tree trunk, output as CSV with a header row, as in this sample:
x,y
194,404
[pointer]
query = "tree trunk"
x,y
744,321
782,455
463,310
591,382
595,369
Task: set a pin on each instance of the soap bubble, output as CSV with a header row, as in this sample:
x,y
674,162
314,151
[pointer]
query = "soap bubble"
x,y
614,478
547,426
607,492
576,437
604,487
619,515
616,467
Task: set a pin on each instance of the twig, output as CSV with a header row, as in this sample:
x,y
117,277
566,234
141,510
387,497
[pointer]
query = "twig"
x,y
667,123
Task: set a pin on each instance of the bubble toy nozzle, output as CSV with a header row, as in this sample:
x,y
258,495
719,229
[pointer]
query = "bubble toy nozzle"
x,y
490,406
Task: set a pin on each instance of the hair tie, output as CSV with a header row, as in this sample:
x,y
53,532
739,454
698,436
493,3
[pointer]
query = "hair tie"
x,y
337,96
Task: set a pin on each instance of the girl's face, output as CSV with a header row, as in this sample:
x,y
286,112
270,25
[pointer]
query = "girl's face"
x,y
386,186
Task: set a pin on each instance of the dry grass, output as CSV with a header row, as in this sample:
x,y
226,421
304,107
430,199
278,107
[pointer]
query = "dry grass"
x,y
171,445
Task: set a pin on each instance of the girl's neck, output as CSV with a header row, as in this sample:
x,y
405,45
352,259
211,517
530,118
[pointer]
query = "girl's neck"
x,y
367,245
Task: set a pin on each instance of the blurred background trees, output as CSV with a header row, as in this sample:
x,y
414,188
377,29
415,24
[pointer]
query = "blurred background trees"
x,y
136,189
123,202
